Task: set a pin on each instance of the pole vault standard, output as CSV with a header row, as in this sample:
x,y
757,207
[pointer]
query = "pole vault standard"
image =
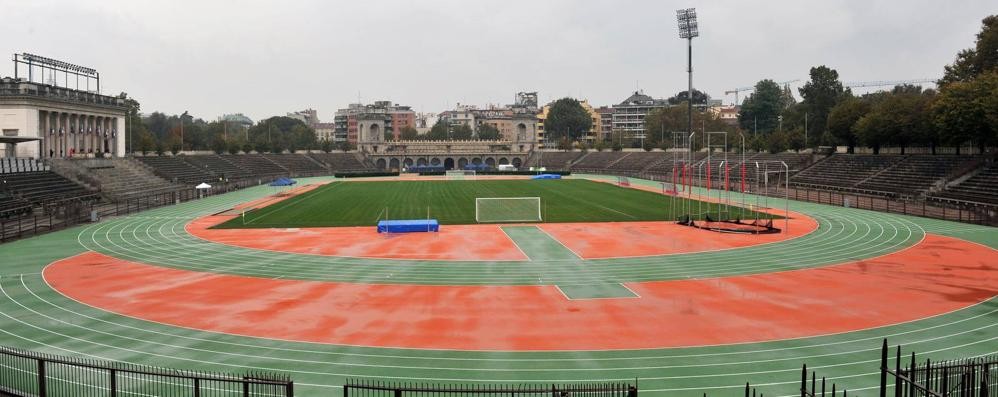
x,y
723,145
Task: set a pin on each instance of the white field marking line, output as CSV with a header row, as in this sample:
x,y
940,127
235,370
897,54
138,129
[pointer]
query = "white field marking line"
x,y
512,241
272,211
867,225
559,242
836,377
636,296
923,329
22,282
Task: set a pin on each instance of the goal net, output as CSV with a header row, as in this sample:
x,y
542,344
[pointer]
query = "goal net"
x,y
623,181
461,174
508,209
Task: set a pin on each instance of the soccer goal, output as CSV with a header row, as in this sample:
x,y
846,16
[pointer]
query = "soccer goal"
x,y
623,181
507,209
461,174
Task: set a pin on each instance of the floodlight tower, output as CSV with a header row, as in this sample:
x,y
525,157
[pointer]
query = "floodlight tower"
x,y
688,29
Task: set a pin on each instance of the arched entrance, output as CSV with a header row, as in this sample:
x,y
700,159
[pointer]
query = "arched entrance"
x,y
435,162
421,161
394,164
476,161
449,164
381,164
516,162
491,162
503,161
461,163
408,162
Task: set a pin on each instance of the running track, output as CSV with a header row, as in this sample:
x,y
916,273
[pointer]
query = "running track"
x,y
34,316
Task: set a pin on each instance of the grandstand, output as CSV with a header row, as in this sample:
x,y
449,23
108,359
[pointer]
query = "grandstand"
x,y
256,165
979,187
41,187
341,161
297,165
174,168
218,166
844,172
552,160
117,179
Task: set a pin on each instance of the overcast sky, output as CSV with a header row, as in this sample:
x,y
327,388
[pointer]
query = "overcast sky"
x,y
265,58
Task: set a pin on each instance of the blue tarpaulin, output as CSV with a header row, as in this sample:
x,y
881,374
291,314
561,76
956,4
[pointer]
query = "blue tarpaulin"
x,y
546,176
409,225
282,181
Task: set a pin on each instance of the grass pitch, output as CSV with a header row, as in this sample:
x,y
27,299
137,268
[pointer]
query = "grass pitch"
x,y
362,203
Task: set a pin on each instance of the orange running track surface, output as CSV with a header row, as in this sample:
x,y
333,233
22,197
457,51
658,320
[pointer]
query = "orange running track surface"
x,y
452,242
630,239
489,242
938,275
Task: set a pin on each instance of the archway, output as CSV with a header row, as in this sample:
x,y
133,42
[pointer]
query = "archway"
x,y
503,161
476,161
491,162
394,164
521,131
421,161
462,162
375,134
435,162
381,164
408,162
517,162
449,164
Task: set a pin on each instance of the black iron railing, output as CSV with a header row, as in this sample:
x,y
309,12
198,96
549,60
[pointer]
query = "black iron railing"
x,y
388,389
26,373
972,377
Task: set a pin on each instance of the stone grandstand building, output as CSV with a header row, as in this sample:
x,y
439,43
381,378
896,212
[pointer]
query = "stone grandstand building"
x,y
46,121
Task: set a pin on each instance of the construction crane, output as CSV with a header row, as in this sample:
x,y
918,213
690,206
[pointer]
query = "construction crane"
x,y
745,89
857,84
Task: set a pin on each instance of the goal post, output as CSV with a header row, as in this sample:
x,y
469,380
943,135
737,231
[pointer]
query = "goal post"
x,y
507,209
461,174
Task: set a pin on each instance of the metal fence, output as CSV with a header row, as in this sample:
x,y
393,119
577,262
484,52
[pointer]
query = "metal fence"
x,y
973,377
71,213
814,390
33,374
355,388
950,210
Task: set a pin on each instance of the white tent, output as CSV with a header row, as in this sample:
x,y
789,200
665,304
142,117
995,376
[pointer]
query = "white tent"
x,y
203,186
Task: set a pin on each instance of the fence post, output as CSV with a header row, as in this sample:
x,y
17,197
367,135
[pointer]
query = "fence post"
x,y
290,390
3,231
42,392
883,370
246,387
197,387
346,390
984,379
114,383
803,381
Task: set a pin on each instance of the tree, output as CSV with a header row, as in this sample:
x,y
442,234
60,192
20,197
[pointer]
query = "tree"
x,y
568,118
439,131
842,120
326,145
661,123
699,97
461,132
408,133
965,112
389,136
820,95
762,108
488,132
973,62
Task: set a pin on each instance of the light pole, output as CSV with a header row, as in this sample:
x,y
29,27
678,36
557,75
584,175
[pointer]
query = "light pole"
x,y
182,130
688,29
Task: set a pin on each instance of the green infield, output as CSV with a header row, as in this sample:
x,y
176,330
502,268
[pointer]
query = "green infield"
x,y
363,203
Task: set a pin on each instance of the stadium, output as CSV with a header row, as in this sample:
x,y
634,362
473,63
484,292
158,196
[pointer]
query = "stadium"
x,y
410,268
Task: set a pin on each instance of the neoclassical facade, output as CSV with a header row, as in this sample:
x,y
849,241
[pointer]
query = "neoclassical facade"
x,y
40,121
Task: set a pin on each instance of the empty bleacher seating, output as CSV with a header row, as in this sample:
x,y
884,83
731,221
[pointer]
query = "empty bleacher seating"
x,y
598,161
341,161
173,168
552,160
217,166
40,187
297,164
844,172
256,165
915,174
981,187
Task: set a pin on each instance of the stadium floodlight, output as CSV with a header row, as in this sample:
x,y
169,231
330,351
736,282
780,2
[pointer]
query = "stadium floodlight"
x,y
687,23
688,29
